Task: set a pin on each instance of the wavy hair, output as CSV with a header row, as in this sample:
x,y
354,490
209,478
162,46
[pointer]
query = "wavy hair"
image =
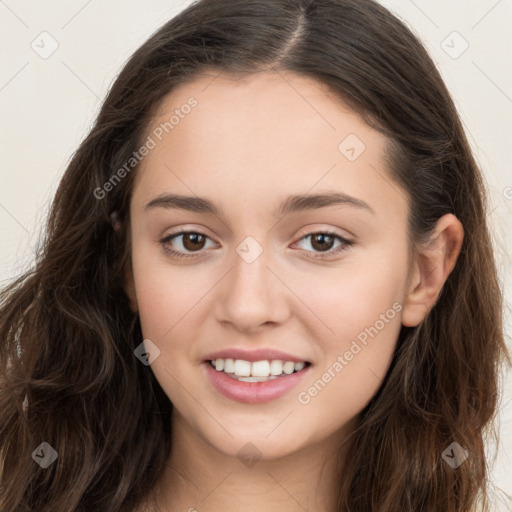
x,y
68,374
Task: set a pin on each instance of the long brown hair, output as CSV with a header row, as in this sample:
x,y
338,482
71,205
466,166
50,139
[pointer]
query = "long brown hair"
x,y
68,334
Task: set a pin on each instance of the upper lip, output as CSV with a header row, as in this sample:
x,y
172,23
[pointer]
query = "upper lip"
x,y
260,354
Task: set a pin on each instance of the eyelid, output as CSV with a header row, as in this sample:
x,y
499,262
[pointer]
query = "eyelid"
x,y
302,233
187,228
345,243
170,236
317,228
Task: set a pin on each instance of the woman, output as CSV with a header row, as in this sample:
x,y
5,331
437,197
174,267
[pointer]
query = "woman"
x,y
267,282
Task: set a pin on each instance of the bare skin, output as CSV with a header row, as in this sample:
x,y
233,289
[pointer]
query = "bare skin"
x,y
246,146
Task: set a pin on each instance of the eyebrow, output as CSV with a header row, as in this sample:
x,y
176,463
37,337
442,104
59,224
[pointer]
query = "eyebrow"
x,y
291,204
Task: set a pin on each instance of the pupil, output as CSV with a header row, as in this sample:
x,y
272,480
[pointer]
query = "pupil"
x,y
193,241
323,244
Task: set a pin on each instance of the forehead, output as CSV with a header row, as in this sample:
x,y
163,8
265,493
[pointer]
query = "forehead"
x,y
281,107
256,135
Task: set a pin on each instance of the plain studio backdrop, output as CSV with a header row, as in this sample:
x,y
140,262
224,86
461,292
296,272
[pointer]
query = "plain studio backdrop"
x,y
59,59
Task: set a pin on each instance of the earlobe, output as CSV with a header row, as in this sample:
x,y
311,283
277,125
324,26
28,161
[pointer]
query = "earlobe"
x,y
434,263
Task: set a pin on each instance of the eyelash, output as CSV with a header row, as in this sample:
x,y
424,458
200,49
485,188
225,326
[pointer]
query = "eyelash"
x,y
345,244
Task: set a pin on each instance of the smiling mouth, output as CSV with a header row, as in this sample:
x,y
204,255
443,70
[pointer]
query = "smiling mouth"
x,y
257,371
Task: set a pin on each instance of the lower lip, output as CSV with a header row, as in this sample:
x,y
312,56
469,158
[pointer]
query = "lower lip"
x,y
253,392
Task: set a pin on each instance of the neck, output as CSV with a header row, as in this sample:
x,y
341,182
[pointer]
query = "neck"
x,y
200,478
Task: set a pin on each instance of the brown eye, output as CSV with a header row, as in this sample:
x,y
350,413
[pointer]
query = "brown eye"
x,y
185,243
193,241
322,242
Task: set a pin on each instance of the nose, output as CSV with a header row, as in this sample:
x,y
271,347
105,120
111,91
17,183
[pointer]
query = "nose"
x,y
252,295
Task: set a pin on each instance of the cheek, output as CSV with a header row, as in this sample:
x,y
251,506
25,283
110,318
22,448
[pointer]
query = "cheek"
x,y
361,307
353,365
174,304
164,294
354,296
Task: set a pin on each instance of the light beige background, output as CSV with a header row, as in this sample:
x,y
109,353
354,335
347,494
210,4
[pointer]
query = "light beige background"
x,y
48,104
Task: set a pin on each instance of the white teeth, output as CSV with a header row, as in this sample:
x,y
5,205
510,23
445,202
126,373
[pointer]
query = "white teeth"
x,y
256,379
229,365
257,371
276,367
242,368
299,366
260,369
288,367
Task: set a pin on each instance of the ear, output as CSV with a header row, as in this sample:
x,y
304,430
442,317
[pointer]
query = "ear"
x,y
434,262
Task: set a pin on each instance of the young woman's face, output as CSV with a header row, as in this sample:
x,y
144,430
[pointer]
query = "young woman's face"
x,y
259,279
